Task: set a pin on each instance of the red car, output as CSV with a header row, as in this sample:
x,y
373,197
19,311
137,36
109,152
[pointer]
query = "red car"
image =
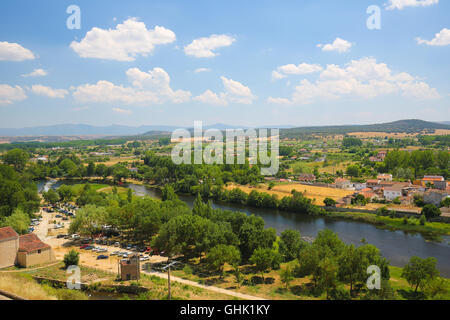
x,y
84,246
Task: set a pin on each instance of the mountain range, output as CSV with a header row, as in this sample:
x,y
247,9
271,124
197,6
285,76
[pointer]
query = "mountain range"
x,y
412,125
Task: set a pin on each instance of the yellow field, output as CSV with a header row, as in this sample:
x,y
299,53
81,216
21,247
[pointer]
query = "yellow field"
x,y
395,134
312,192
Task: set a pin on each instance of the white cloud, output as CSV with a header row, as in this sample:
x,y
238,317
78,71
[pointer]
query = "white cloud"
x,y
364,78
36,73
288,69
440,39
122,111
210,97
204,47
400,4
234,92
48,92
198,70
124,43
14,52
9,95
339,45
149,88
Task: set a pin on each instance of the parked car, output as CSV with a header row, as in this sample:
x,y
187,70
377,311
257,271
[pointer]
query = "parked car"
x,y
84,246
144,258
102,250
102,256
59,236
117,244
88,248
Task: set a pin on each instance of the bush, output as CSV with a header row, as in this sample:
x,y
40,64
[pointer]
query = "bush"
x,y
340,293
71,258
431,211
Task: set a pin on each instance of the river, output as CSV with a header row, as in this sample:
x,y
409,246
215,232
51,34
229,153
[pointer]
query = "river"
x,y
397,246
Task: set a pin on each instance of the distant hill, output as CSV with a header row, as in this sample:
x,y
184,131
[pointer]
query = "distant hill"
x,y
407,126
82,129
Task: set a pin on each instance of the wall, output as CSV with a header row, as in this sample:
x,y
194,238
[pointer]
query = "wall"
x,y
34,258
8,252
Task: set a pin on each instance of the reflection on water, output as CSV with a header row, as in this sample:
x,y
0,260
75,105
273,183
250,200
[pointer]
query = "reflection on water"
x,y
397,246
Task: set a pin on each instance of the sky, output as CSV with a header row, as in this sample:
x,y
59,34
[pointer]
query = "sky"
x,y
249,63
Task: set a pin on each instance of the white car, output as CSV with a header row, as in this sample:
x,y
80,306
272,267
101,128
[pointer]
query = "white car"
x,y
144,258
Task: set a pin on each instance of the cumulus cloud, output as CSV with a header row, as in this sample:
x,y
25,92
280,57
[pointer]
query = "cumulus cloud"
x,y
9,94
234,92
14,52
364,78
124,43
204,47
36,73
401,4
148,88
48,91
292,69
122,111
339,45
440,39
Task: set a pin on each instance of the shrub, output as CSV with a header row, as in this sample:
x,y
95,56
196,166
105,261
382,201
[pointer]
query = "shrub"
x,y
71,258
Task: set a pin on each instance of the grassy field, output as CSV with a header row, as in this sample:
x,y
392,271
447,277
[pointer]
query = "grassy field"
x,y
284,189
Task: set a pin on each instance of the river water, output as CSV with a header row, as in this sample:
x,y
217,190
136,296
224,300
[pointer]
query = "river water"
x,y
397,246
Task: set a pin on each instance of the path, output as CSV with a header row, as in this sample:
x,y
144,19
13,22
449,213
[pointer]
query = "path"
x,y
211,288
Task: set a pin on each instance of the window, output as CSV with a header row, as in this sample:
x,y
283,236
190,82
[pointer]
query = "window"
x,y
39,251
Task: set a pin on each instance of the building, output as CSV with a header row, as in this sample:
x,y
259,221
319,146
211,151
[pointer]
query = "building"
x,y
32,251
342,183
374,184
441,185
434,196
25,251
9,246
432,180
130,268
379,157
359,186
307,177
391,193
384,177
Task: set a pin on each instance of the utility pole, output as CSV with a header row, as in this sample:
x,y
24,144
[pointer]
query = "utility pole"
x,y
168,277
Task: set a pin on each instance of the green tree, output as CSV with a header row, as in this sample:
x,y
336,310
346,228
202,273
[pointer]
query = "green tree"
x,y
329,202
17,158
263,259
291,244
51,197
18,220
420,272
89,220
71,258
286,276
431,211
328,268
353,171
221,254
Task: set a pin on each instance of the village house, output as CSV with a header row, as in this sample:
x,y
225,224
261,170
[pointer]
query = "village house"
x,y
359,186
434,196
391,193
342,183
26,250
384,177
441,185
368,193
130,268
306,177
379,157
432,180
374,184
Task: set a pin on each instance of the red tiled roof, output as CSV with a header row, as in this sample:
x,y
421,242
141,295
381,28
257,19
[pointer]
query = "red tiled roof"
x,y
7,233
31,242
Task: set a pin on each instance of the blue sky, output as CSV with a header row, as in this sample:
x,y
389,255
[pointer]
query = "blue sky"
x,y
246,63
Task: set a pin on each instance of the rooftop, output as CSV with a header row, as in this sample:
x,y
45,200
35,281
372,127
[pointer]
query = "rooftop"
x,y
7,233
31,242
